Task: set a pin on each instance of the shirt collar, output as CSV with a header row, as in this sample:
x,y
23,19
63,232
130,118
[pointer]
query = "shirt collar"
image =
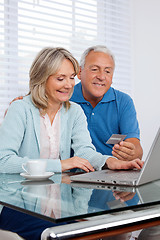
x,y
78,96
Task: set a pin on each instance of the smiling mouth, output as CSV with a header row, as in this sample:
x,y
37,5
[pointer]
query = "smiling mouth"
x,y
99,84
63,92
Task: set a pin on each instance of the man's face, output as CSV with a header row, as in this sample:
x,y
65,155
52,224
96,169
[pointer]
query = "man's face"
x,y
96,76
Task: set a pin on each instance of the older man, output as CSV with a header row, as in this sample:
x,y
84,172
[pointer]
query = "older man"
x,y
108,111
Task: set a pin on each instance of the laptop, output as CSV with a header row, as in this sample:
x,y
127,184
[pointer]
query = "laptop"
x,y
149,172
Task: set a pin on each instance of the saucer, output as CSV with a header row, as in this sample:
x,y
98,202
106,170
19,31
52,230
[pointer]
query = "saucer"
x,y
37,177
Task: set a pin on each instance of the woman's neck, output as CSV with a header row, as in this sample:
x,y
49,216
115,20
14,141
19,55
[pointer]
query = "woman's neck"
x,y
52,111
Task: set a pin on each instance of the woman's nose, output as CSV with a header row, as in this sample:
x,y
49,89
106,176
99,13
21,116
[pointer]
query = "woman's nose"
x,y
69,83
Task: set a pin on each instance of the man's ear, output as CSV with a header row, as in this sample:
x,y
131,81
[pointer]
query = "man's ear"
x,y
79,74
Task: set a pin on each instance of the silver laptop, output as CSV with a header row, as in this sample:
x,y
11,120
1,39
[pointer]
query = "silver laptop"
x,y
150,171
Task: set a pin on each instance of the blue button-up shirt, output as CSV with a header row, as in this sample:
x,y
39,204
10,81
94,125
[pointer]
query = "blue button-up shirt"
x,y
114,114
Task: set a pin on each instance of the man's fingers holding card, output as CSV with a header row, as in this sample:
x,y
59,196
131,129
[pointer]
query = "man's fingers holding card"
x,y
128,145
124,151
121,156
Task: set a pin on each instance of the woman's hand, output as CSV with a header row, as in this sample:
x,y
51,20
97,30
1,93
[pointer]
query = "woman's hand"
x,y
116,164
76,162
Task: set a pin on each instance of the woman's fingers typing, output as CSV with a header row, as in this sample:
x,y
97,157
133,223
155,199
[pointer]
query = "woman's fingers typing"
x,y
76,162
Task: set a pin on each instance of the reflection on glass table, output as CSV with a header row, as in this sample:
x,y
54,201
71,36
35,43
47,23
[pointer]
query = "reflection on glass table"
x,y
64,201
58,200
49,198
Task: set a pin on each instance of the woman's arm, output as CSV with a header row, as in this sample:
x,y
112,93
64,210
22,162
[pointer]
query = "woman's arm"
x,y
12,132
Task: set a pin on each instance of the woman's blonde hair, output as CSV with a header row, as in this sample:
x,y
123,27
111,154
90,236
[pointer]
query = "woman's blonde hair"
x,y
47,63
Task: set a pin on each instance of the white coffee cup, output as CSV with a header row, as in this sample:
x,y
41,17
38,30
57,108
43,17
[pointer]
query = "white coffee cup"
x,y
35,167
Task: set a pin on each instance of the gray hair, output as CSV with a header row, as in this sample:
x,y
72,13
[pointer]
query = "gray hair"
x,y
47,63
97,48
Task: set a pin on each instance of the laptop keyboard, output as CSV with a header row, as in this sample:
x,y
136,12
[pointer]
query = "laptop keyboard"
x,y
125,175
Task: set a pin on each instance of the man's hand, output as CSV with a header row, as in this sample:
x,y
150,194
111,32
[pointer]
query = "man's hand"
x,y
17,98
128,150
116,164
123,196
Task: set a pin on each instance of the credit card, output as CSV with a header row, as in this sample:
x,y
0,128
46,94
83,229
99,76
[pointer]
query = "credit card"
x,y
116,138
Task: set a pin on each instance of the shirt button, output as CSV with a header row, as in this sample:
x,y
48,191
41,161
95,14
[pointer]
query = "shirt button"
x,y
93,114
87,104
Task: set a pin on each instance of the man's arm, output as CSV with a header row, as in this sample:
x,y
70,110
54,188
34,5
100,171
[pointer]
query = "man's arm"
x,y
128,150
17,98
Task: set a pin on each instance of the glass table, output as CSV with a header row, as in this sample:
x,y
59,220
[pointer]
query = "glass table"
x,y
91,208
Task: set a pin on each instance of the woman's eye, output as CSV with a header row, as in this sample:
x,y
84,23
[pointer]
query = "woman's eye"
x,y
60,79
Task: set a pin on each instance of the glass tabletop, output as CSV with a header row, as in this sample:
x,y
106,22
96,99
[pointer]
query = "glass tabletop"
x,y
57,199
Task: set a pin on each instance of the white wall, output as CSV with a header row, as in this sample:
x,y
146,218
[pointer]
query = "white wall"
x,y
146,67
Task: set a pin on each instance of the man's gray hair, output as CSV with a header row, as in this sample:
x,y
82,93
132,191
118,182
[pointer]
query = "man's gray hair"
x,y
97,48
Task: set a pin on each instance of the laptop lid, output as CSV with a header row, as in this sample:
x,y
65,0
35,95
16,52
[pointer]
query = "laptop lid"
x,y
148,173
151,168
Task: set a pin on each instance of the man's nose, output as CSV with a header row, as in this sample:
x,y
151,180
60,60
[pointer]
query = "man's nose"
x,y
101,75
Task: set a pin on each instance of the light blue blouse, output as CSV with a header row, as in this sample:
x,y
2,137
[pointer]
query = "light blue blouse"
x,y
20,137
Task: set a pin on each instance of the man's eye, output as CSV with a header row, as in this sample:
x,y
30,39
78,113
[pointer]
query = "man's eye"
x,y
94,69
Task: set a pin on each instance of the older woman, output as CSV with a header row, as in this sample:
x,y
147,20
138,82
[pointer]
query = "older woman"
x,y
46,125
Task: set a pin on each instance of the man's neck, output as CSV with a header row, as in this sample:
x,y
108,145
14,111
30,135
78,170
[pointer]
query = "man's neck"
x,y
94,103
91,99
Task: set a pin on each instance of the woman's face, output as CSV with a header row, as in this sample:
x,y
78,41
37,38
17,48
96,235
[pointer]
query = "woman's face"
x,y
59,87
